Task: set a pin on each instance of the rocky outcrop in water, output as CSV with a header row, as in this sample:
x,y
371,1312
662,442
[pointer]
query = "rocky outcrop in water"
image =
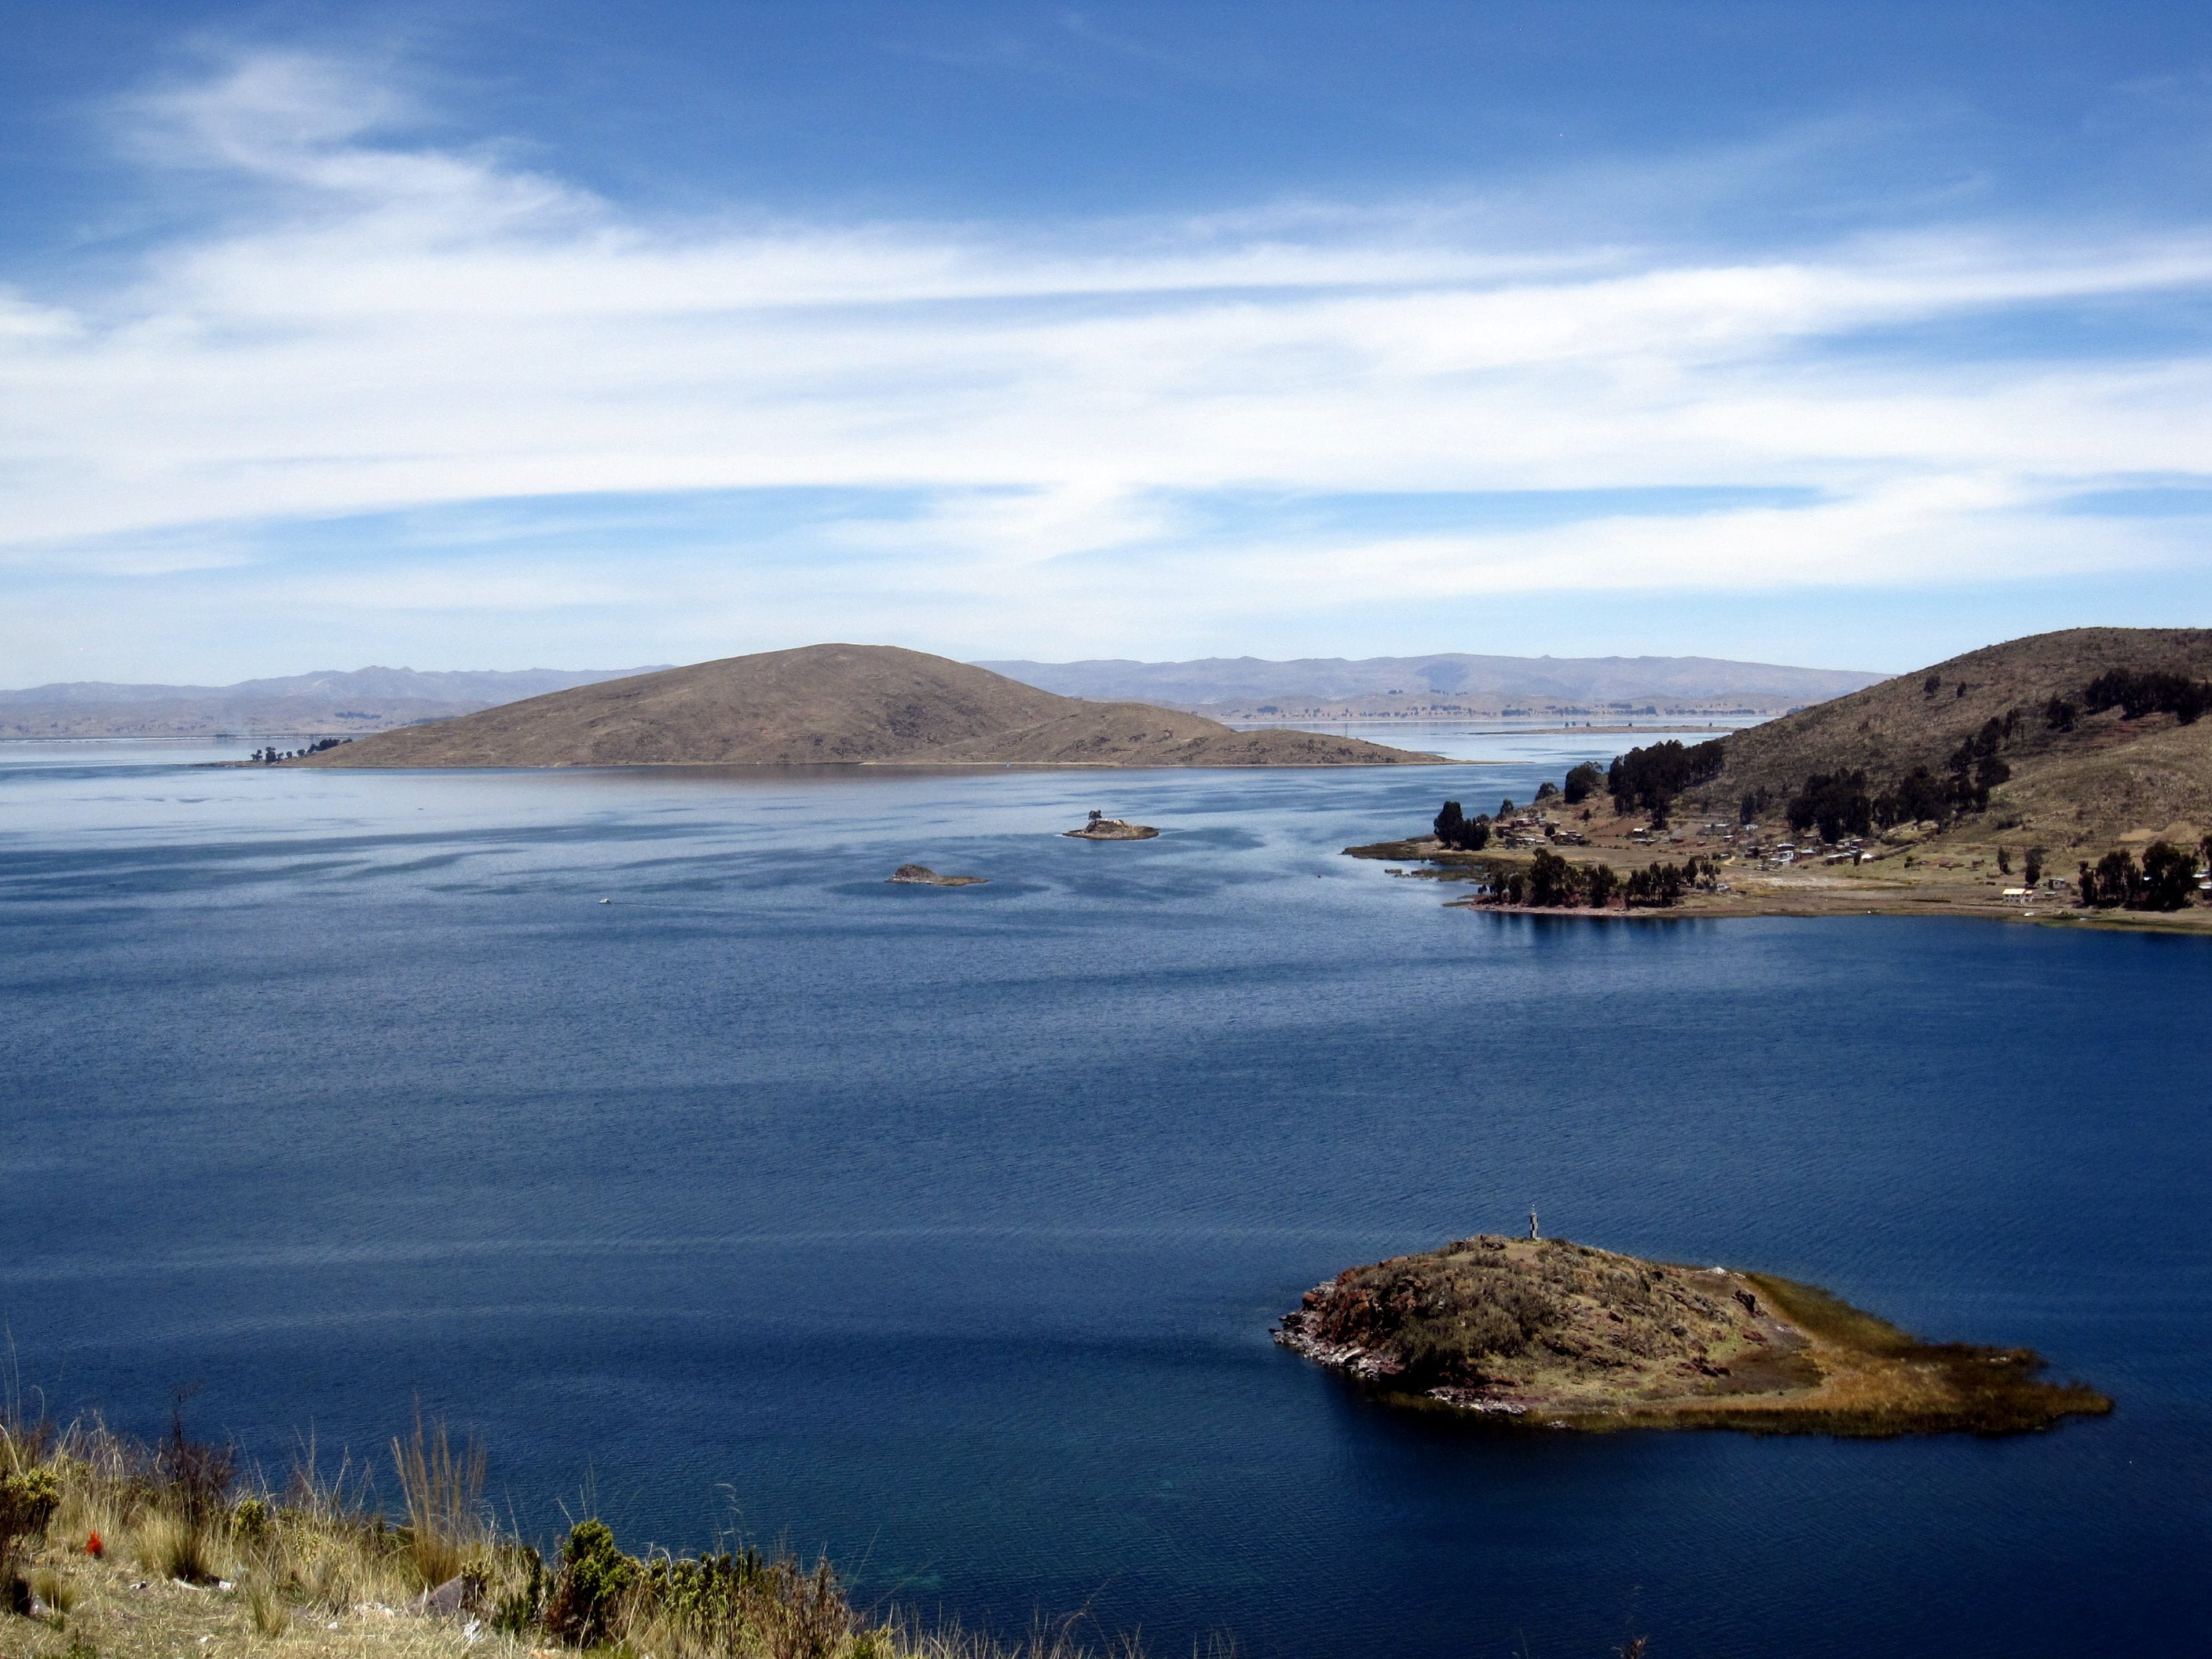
x,y
1558,1332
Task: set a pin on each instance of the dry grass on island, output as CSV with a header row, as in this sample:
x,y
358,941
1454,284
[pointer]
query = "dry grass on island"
x,y
2063,778
868,705
1546,1331
113,1547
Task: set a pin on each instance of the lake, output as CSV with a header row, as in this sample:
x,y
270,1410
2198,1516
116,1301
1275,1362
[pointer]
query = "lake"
x,y
944,1229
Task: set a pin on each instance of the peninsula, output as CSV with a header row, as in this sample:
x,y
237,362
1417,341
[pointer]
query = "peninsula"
x,y
1550,1332
2064,778
868,705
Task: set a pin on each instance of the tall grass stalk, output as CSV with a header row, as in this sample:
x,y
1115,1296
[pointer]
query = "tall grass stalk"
x,y
324,1545
448,1531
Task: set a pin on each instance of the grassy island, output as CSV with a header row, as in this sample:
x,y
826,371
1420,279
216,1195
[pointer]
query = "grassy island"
x,y
1547,1331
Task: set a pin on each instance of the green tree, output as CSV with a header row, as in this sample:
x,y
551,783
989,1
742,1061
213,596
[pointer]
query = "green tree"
x,y
1603,885
1648,780
1551,881
1581,783
2115,883
2169,878
1835,802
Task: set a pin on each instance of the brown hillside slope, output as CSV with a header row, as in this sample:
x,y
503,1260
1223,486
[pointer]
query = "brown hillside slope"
x,y
868,704
2109,780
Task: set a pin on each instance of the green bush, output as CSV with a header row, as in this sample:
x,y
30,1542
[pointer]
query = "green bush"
x,y
251,1522
596,1578
517,1613
27,1502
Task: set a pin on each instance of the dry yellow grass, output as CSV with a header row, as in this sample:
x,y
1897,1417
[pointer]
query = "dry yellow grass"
x,y
312,1573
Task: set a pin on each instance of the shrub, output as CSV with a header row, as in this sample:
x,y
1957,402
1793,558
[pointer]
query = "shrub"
x,y
596,1578
251,1522
520,1611
29,1499
195,1475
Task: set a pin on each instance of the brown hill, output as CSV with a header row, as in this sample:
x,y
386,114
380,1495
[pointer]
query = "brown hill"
x,y
867,704
2110,779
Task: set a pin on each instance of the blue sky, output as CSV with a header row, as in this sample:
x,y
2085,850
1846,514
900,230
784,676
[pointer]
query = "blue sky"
x,y
502,335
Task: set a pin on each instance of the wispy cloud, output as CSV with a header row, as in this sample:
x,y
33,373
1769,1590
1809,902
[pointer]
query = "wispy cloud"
x,y
382,323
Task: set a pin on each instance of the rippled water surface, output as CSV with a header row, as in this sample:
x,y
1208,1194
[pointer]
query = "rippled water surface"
x,y
944,1228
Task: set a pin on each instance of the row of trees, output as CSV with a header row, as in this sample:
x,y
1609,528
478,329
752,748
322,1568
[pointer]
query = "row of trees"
x,y
1648,780
2165,880
1839,804
272,755
1835,803
1551,883
2137,692
1459,833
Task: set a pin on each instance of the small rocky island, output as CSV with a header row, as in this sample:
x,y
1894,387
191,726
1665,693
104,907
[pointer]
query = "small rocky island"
x,y
1552,1333
1101,828
921,875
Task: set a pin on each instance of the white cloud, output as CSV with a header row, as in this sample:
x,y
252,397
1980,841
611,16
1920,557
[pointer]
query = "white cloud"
x,y
386,324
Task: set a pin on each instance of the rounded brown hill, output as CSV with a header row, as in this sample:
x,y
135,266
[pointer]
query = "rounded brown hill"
x,y
852,704
2080,783
1551,1332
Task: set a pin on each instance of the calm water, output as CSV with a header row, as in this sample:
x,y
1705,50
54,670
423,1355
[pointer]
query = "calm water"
x,y
944,1229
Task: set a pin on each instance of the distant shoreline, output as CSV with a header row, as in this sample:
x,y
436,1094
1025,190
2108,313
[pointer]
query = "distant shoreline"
x,y
1843,891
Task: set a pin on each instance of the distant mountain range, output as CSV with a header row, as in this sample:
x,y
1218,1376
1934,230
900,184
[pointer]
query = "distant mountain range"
x,y
1448,683
365,700
358,701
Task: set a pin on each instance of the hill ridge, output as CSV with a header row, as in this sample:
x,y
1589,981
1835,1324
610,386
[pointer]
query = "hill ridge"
x,y
1448,681
838,703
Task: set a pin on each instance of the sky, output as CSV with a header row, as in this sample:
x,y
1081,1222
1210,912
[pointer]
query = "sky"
x,y
513,333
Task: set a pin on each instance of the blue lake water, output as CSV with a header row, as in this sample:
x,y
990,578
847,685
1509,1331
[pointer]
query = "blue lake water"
x,y
944,1229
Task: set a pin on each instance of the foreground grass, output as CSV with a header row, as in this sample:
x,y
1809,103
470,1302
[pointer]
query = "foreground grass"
x,y
112,1546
